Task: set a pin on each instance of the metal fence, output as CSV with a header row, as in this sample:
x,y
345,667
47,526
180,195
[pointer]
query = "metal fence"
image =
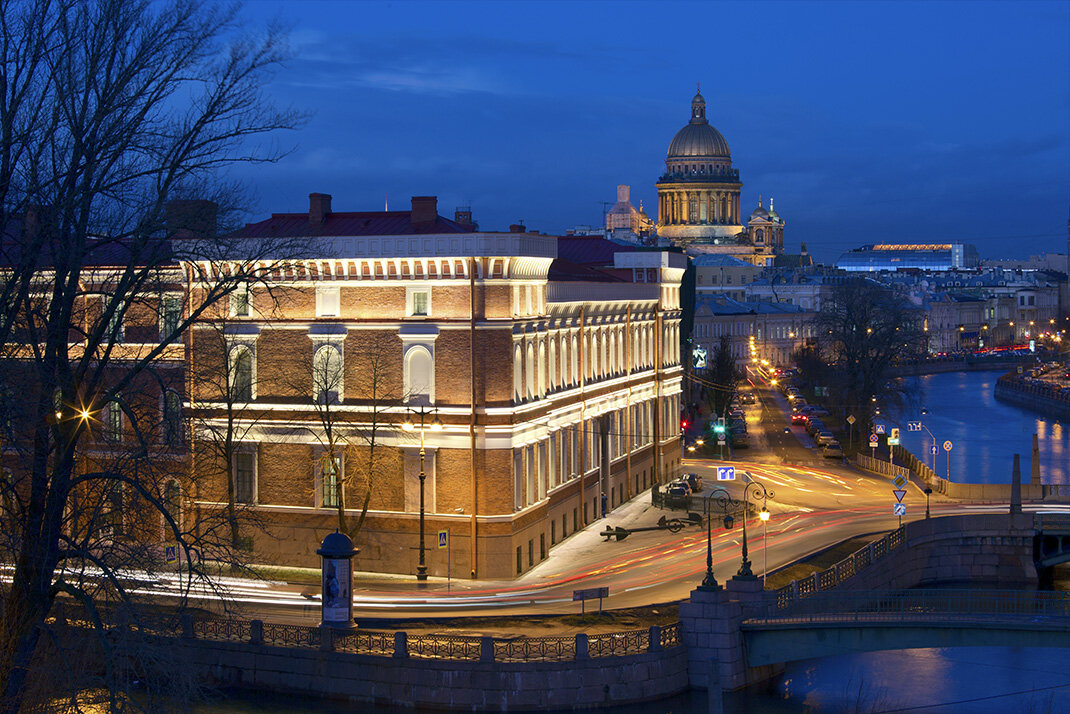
x,y
871,606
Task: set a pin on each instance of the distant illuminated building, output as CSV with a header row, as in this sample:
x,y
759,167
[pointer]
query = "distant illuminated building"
x,y
699,193
626,222
902,256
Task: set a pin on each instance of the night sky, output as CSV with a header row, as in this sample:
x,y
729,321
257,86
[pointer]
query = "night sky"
x,y
866,122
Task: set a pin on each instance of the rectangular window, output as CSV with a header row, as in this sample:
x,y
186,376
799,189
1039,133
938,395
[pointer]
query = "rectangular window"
x,y
240,302
419,300
113,509
531,552
172,418
245,477
330,468
113,421
115,324
170,315
328,302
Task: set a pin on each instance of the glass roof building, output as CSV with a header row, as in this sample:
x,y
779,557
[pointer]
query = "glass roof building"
x,y
901,256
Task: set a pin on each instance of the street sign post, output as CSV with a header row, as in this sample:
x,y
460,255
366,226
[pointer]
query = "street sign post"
x,y
444,544
893,437
899,493
851,419
947,450
878,429
913,426
726,473
170,554
899,509
873,441
947,446
900,481
589,594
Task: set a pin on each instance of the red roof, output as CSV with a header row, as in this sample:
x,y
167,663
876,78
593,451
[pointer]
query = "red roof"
x,y
352,223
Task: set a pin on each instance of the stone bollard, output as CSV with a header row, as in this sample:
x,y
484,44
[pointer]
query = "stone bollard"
x,y
326,639
401,645
256,632
187,625
655,639
581,646
486,649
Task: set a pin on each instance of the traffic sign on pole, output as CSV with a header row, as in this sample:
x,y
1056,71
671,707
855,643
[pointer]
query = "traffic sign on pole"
x,y
878,429
726,473
443,540
900,481
893,437
899,509
947,446
932,449
873,441
899,493
851,419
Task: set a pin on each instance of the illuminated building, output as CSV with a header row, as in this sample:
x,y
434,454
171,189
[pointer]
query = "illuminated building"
x,y
902,256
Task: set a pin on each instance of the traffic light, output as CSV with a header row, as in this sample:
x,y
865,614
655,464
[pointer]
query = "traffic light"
x,y
718,428
683,423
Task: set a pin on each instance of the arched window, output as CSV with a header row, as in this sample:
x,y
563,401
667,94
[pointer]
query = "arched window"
x,y
540,366
529,370
419,375
621,367
575,359
518,374
241,374
553,365
327,376
172,502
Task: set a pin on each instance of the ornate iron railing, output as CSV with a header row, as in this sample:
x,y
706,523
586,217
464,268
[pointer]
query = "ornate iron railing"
x,y
618,644
290,635
535,649
365,642
444,647
670,635
222,629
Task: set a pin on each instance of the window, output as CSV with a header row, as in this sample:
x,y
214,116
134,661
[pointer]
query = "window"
x,y
172,418
113,421
240,302
418,301
327,376
170,315
330,478
328,302
115,323
112,509
419,375
245,477
241,374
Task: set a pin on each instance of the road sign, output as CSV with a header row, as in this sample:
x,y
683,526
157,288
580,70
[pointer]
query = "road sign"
x,y
726,473
913,426
720,442
899,493
900,481
878,429
899,509
893,437
851,419
170,554
873,441
932,449
947,446
443,540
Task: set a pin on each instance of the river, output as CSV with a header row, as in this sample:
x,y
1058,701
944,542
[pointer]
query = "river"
x,y
984,435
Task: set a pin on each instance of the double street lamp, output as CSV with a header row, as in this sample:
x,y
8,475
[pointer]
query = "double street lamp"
x,y
720,497
423,414
754,490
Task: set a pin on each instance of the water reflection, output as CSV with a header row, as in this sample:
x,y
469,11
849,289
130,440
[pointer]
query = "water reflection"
x,y
984,433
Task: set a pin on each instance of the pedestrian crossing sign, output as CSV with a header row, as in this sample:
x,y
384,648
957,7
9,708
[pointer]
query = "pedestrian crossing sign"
x,y
443,540
170,554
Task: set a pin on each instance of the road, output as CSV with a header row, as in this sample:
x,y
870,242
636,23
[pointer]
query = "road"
x,y
816,503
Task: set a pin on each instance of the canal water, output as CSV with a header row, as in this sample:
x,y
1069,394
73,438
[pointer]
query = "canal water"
x,y
984,435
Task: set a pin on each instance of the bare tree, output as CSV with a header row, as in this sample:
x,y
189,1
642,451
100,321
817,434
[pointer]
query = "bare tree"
x,y
863,330
109,111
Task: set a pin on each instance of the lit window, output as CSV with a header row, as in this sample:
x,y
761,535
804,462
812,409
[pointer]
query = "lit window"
x,y
241,374
113,421
170,315
419,302
328,301
245,477
327,375
240,302
330,468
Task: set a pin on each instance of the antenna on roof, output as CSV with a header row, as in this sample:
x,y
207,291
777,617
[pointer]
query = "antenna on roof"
x,y
386,201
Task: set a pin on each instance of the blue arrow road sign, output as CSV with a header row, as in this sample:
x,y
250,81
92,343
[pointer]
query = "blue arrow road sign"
x,y
726,473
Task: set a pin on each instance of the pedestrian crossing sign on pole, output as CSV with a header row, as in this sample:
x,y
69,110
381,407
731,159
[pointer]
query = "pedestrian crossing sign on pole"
x,y
170,554
443,540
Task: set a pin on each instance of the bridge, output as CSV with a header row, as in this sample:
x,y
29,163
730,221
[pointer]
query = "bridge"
x,y
968,580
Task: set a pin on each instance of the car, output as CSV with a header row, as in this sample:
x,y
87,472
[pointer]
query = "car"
x,y
694,481
814,425
832,450
824,437
818,411
740,440
748,398
798,418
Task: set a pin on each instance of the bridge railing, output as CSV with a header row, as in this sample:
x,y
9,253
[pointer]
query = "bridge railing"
x,y
842,571
927,605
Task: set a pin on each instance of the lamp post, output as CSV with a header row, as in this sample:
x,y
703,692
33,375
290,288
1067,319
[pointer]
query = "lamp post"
x,y
755,490
724,501
932,451
423,413
928,492
764,515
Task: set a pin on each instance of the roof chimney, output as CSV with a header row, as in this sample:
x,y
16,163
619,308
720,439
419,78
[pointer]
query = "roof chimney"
x,y
424,213
319,207
191,218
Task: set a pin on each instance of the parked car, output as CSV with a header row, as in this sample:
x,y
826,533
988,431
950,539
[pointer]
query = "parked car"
x,y
832,450
824,437
740,440
748,398
694,481
813,425
677,493
798,418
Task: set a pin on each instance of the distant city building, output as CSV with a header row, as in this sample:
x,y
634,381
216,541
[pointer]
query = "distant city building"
x,y
756,330
723,275
903,256
625,222
698,198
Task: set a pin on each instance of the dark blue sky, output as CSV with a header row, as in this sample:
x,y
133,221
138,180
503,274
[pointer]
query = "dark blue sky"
x,y
866,121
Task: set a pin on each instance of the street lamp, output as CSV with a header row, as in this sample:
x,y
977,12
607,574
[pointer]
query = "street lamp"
x,y
764,515
724,501
423,413
755,490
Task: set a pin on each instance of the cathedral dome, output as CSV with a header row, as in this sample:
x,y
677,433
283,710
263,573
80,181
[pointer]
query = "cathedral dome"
x,y
698,138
